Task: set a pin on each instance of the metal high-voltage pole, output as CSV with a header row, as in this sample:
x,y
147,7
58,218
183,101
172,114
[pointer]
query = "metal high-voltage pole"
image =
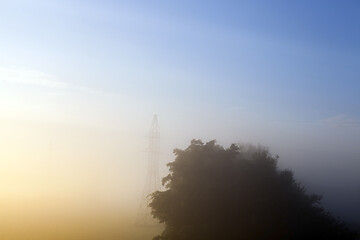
x,y
152,183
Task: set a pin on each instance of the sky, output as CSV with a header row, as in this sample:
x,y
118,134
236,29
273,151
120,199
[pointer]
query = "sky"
x,y
80,82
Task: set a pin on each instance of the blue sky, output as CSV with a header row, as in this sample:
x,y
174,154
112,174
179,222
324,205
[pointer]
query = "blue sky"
x,y
299,59
285,74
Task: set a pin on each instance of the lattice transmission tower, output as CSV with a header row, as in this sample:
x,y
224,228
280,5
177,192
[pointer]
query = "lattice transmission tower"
x,y
152,184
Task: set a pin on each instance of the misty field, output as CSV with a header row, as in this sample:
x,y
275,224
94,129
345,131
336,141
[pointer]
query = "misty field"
x,y
31,225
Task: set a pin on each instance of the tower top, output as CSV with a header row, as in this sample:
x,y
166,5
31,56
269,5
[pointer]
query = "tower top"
x,y
155,125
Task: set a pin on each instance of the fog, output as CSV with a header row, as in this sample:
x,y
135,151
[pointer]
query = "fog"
x,y
81,81
73,166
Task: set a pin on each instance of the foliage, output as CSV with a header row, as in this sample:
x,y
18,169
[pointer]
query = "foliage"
x,y
238,193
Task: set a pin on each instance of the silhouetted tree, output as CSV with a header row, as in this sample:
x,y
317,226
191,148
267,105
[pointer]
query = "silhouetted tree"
x,y
238,193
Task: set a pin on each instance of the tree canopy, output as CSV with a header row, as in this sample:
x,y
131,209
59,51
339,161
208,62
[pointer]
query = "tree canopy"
x,y
238,193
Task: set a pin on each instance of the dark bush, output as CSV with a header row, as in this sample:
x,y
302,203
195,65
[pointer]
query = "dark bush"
x,y
238,193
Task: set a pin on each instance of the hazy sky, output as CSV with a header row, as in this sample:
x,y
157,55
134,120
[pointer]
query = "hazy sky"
x,y
81,80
